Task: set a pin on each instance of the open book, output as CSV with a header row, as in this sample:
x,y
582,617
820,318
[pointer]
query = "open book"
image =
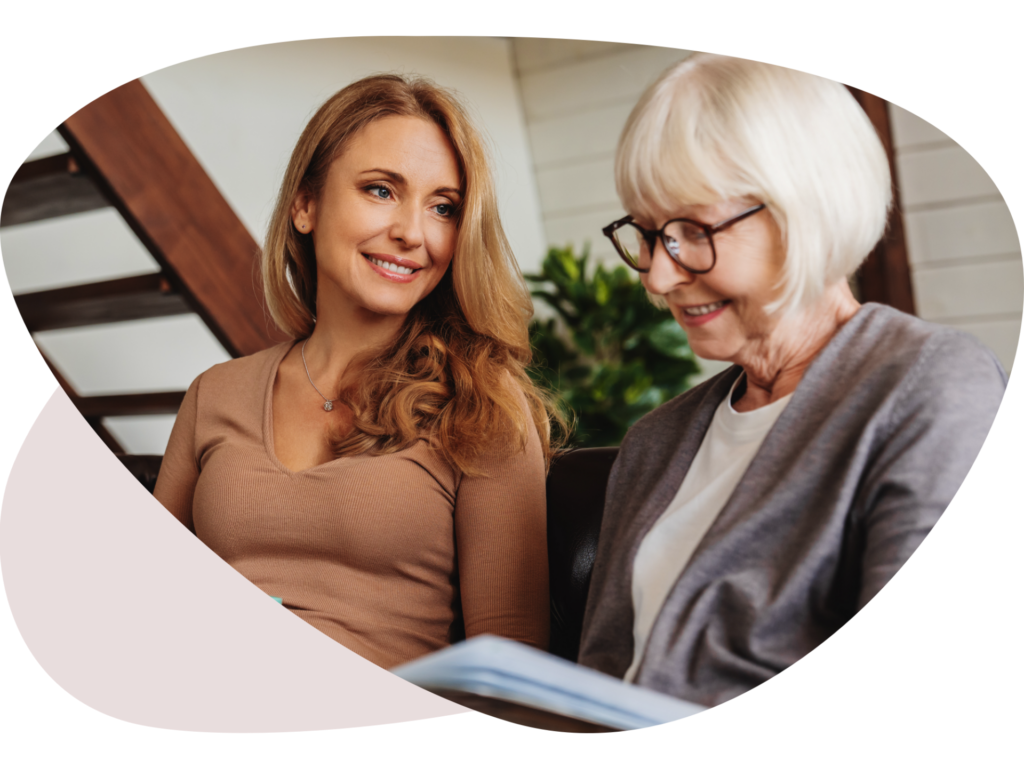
x,y
513,681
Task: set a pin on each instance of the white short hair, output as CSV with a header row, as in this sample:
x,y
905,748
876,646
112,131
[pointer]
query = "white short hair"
x,y
714,127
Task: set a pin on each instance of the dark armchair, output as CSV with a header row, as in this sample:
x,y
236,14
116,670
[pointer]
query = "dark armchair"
x,y
576,490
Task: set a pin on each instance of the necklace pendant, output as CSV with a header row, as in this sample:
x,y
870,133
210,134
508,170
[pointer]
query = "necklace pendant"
x,y
328,405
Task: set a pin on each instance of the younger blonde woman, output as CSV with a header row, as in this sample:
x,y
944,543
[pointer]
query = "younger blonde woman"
x,y
382,472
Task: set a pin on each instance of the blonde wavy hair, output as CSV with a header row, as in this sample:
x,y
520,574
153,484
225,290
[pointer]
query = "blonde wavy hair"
x,y
456,373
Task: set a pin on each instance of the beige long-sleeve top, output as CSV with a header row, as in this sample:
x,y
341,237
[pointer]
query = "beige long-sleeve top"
x,y
382,553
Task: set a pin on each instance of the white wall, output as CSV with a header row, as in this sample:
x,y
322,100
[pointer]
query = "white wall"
x,y
964,253
577,95
241,112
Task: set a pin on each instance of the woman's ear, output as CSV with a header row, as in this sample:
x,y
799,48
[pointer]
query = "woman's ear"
x,y
304,212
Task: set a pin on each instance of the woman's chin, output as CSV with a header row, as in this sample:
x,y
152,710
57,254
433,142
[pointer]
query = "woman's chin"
x,y
708,349
383,310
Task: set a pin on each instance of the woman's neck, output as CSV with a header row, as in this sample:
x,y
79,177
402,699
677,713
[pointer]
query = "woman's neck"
x,y
776,364
343,334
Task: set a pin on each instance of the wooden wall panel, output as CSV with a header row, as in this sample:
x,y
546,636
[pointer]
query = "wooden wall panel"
x,y
567,138
579,229
910,131
534,53
577,188
971,231
999,335
942,175
619,75
970,290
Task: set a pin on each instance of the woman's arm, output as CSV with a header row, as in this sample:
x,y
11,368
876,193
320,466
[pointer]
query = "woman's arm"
x,y
179,470
501,544
937,429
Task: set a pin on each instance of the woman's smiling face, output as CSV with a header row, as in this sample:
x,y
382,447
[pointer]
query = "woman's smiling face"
x,y
723,311
385,223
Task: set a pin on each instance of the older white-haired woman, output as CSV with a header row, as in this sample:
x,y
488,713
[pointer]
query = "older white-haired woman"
x,y
749,518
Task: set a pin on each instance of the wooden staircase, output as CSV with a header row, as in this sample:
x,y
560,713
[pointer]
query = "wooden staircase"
x,y
124,153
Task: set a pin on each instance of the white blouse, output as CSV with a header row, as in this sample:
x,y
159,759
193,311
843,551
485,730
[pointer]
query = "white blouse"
x,y
729,446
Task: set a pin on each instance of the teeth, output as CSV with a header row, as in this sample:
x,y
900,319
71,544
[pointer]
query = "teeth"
x,y
703,310
391,267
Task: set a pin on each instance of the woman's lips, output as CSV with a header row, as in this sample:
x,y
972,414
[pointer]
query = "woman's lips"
x,y
393,268
701,314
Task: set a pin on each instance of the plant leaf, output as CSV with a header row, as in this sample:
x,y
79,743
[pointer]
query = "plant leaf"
x,y
611,354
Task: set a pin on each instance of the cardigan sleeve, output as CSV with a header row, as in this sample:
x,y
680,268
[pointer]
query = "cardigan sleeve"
x,y
501,545
938,426
179,470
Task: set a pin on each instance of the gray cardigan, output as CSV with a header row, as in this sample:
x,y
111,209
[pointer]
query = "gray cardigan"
x,y
876,440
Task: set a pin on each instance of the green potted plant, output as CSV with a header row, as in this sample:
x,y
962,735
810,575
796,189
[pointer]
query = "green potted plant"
x,y
608,351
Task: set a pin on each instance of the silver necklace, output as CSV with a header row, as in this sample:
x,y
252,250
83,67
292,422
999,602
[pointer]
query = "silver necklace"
x,y
328,403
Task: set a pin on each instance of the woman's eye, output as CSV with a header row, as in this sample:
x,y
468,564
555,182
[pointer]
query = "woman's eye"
x,y
694,234
379,191
445,209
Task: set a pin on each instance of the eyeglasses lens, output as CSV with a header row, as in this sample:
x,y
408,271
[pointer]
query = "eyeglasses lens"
x,y
689,245
630,243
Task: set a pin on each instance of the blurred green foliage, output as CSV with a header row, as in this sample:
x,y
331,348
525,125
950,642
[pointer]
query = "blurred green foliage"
x,y
611,354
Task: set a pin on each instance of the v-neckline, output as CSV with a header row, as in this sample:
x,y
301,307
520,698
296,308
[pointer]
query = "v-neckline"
x,y
268,417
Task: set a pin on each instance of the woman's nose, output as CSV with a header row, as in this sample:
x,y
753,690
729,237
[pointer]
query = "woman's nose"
x,y
664,273
407,227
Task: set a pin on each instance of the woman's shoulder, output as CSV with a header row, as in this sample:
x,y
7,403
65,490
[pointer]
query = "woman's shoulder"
x,y
909,348
876,325
240,377
519,392
242,370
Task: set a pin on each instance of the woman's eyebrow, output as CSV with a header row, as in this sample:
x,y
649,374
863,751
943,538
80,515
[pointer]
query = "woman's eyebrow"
x,y
400,179
393,175
448,191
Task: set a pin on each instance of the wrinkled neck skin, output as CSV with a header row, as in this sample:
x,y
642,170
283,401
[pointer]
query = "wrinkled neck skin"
x,y
775,363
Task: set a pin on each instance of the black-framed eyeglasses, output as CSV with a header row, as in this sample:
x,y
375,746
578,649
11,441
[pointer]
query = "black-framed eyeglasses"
x,y
689,243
